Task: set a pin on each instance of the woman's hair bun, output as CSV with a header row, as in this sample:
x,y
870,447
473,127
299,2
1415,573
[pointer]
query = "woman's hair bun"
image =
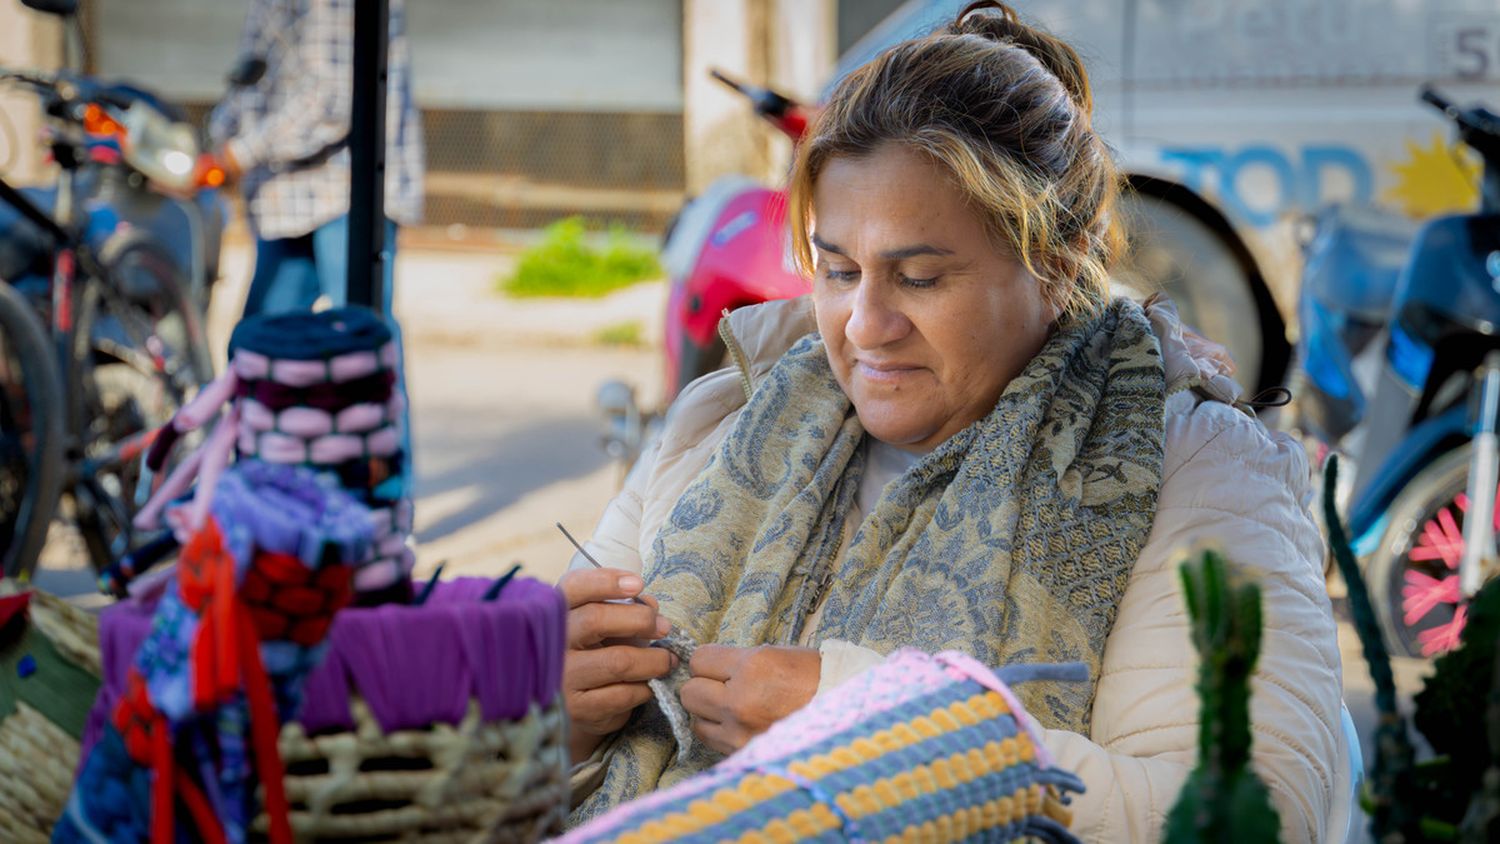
x,y
998,22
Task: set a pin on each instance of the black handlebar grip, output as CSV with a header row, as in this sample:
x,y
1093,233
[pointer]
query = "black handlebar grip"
x,y
1431,96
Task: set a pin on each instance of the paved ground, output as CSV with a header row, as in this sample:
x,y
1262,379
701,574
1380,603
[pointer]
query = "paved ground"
x,y
508,444
507,440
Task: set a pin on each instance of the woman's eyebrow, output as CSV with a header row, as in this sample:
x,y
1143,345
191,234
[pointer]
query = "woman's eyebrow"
x,y
890,255
825,246
914,251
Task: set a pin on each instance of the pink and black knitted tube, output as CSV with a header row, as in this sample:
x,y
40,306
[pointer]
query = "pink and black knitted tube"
x,y
319,390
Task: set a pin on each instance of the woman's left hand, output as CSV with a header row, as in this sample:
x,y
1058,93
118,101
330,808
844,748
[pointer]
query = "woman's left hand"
x,y
736,693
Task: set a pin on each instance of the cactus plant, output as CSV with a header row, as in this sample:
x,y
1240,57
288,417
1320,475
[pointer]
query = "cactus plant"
x,y
1392,777
1456,794
1223,799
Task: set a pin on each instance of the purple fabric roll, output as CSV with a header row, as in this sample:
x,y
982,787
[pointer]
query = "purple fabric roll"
x,y
122,628
413,665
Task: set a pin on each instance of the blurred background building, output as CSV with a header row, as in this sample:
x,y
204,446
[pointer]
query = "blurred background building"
x,y
533,109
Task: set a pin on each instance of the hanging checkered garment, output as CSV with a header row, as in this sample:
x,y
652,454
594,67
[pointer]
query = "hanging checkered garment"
x,y
920,748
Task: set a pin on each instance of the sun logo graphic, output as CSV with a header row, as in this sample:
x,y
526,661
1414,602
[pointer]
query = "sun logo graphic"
x,y
1437,178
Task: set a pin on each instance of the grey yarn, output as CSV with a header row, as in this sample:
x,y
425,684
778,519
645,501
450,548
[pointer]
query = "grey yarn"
x,y
669,688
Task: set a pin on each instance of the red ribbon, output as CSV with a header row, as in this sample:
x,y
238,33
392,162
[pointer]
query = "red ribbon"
x,y
226,659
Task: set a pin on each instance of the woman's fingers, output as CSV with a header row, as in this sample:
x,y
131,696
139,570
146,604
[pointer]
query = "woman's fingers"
x,y
591,624
725,738
602,667
586,586
708,699
603,710
717,662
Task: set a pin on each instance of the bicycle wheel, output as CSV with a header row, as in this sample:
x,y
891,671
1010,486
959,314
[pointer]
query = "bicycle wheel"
x,y
1174,252
140,354
31,432
1413,574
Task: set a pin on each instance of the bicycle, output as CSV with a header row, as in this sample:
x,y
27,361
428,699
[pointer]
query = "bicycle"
x,y
123,338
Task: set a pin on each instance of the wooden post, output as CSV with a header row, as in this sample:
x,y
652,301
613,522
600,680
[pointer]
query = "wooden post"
x,y
34,40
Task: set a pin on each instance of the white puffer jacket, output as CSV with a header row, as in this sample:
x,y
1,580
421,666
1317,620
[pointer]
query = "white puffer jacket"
x,y
1227,481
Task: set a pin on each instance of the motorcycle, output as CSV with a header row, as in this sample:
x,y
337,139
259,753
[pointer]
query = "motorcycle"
x,y
726,249
1398,367
140,178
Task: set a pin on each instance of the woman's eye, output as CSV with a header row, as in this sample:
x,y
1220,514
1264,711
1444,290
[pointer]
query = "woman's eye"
x,y
840,275
919,283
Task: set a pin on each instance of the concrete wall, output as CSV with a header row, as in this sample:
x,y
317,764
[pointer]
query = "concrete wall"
x,y
787,44
488,72
539,55
27,40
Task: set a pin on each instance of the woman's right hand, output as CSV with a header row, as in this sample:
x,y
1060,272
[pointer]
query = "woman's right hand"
x,y
607,665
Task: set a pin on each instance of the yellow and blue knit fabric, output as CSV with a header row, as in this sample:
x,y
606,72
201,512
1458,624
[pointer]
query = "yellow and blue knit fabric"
x,y
921,748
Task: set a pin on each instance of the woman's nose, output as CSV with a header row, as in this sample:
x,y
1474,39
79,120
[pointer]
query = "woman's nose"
x,y
874,320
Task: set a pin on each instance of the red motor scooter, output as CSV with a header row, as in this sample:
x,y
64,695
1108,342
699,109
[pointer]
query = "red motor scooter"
x,y
725,249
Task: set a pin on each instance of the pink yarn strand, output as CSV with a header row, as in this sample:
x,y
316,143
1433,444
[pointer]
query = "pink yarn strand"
x,y
197,413
149,517
216,453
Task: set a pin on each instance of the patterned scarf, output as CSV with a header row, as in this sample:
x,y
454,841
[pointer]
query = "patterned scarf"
x,y
1012,541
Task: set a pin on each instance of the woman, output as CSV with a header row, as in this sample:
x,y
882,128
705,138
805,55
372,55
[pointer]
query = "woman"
x,y
959,441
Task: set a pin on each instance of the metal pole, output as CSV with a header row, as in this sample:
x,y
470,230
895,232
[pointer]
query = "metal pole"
x,y
367,156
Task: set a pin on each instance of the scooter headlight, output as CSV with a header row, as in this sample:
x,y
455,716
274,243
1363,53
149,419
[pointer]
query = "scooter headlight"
x,y
165,151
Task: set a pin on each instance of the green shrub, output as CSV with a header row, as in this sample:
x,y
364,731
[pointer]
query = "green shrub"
x,y
565,263
629,333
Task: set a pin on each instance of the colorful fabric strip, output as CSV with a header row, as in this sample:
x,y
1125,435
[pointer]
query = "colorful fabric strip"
x,y
922,747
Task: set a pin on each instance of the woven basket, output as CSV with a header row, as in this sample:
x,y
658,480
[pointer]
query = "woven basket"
x,y
36,773
73,631
39,739
476,782
475,749
470,782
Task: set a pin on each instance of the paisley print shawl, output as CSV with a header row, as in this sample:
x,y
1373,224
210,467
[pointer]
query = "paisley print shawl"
x,y
1012,541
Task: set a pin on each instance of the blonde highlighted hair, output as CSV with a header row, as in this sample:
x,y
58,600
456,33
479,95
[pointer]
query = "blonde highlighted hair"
x,y
1004,107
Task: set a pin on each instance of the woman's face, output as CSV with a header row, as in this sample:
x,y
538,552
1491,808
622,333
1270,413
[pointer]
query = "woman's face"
x,y
925,319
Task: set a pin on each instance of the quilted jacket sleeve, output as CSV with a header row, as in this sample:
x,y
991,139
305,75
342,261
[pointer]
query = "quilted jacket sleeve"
x,y
1231,484
693,430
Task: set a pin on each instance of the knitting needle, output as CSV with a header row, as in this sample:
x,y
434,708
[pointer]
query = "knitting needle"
x,y
587,556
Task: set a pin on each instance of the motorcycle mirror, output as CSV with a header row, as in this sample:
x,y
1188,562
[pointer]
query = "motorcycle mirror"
x,y
1434,98
615,398
61,8
247,72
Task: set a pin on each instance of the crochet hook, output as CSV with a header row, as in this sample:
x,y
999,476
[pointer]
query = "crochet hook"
x,y
590,558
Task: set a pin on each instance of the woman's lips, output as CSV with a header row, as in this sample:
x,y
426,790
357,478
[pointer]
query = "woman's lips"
x,y
879,372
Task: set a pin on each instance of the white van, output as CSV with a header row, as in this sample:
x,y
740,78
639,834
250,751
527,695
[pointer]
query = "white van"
x,y
1236,118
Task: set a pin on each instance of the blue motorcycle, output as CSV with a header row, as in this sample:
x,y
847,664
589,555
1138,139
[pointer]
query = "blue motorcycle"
x,y
1399,368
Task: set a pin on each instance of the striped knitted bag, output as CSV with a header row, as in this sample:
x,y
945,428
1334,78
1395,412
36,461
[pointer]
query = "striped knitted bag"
x,y
922,747
315,390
